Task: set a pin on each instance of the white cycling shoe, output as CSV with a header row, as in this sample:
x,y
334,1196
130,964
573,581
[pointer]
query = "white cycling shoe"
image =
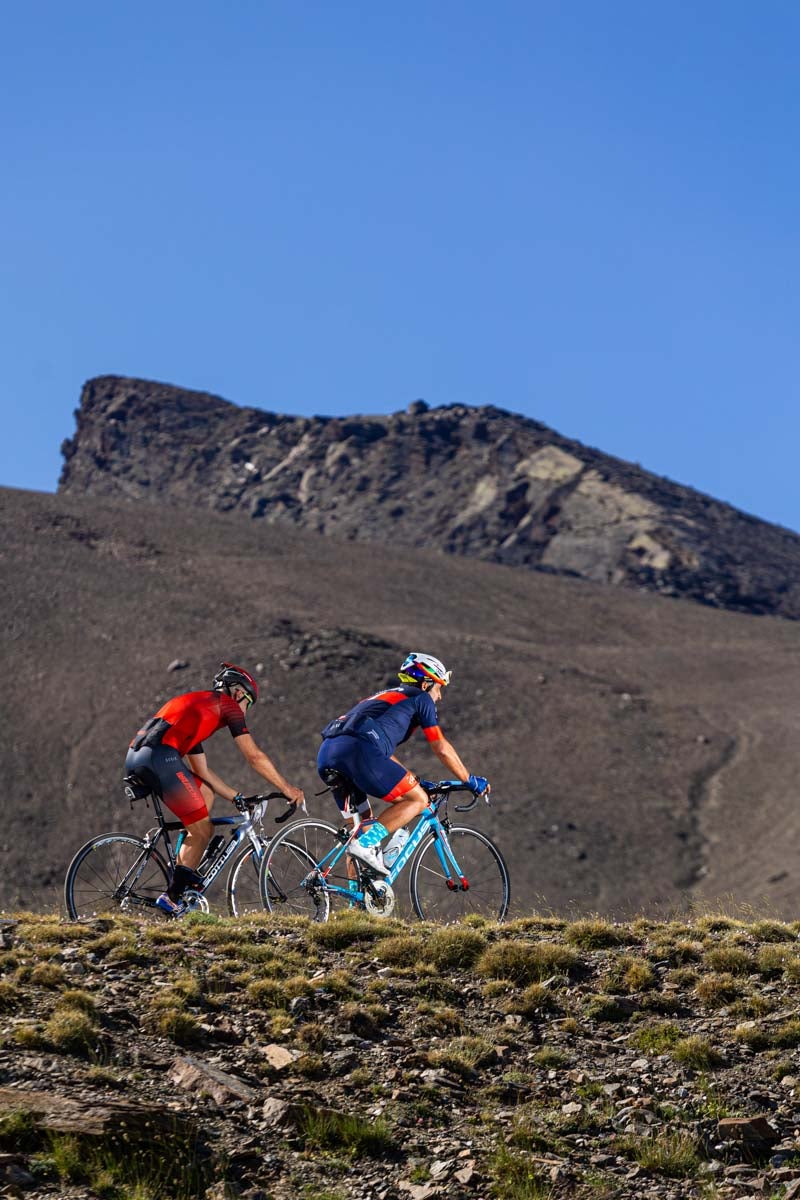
x,y
371,855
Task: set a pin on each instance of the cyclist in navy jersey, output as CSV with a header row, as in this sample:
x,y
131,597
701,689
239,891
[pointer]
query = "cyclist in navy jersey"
x,y
360,745
178,730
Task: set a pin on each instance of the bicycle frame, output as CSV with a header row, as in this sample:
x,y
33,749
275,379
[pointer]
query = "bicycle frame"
x,y
429,822
243,828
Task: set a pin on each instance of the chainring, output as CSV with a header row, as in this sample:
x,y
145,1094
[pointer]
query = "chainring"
x,y
382,904
195,901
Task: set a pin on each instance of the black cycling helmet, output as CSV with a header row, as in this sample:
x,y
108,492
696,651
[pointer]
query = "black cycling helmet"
x,y
229,676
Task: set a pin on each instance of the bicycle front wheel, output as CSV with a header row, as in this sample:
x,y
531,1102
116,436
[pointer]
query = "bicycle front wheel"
x,y
114,872
243,892
290,881
437,892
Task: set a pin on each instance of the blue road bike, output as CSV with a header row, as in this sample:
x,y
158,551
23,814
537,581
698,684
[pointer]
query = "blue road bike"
x,y
454,870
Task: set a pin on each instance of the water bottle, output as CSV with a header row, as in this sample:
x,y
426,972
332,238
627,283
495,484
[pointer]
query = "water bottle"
x,y
395,844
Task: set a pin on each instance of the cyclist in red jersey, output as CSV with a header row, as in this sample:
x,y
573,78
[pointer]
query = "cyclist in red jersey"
x,y
178,730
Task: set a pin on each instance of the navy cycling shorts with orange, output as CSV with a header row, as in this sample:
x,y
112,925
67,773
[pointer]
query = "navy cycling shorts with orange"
x,y
371,771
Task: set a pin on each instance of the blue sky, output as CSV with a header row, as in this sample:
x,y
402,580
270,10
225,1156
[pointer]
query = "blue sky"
x,y
585,212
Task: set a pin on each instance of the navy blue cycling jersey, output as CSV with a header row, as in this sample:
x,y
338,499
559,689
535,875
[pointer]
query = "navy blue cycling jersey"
x,y
388,718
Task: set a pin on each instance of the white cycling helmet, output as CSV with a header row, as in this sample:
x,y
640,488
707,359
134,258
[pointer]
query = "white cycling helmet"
x,y
423,668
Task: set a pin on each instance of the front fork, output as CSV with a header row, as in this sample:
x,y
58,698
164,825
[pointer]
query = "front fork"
x,y
447,857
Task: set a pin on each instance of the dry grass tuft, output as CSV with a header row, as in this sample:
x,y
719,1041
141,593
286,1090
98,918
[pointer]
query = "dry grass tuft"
x,y
402,950
464,1055
605,1008
348,928
49,975
594,935
279,993
177,1025
439,1020
629,975
453,948
675,1155
729,960
11,996
772,931
696,1052
657,1038
676,953
76,998
715,991
526,962
533,1001
71,1031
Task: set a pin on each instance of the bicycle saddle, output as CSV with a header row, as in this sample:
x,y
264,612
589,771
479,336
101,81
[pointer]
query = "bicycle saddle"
x,y
335,779
136,788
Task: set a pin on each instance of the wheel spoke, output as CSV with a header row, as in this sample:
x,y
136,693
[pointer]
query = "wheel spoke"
x,y
244,895
290,882
432,894
98,870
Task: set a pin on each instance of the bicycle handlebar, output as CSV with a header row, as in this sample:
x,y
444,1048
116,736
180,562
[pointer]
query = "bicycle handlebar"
x,y
248,803
288,812
467,807
445,786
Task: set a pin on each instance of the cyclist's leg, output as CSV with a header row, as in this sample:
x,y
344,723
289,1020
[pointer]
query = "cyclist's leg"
x,y
378,774
333,765
385,777
182,795
404,806
198,829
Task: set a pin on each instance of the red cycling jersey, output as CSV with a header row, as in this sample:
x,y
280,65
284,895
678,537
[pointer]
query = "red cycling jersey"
x,y
195,716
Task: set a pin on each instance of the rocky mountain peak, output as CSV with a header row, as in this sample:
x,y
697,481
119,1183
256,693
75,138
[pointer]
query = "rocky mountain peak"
x,y
481,482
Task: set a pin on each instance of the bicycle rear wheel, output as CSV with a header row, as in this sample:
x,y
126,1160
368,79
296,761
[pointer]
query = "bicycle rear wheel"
x,y
290,882
114,872
243,890
436,892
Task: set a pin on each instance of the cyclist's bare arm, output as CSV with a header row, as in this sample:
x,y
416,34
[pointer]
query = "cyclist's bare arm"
x,y
263,765
446,753
200,767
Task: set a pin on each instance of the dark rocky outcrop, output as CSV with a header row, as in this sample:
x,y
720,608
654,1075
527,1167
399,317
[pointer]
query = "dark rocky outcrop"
x,y
481,482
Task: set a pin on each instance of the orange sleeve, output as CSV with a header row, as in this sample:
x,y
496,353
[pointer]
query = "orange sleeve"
x,y
433,734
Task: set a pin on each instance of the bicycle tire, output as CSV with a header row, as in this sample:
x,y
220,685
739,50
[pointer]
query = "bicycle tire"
x,y
289,861
489,891
243,891
98,870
